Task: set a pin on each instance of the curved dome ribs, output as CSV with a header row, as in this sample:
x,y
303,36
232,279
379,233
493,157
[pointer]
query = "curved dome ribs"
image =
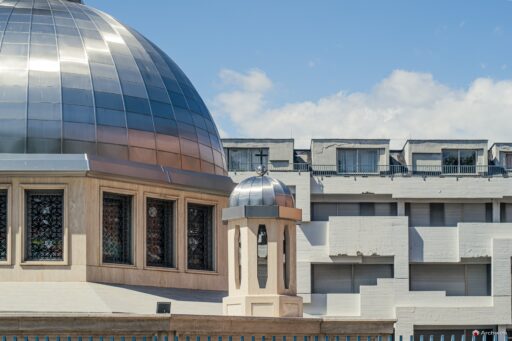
x,y
261,191
96,86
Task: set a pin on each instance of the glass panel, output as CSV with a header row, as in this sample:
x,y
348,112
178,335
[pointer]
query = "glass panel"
x,y
262,256
200,237
437,215
367,161
367,209
450,161
467,161
160,233
44,225
348,161
258,157
238,159
117,228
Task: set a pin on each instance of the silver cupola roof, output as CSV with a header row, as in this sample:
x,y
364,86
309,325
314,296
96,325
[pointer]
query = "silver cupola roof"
x,y
261,190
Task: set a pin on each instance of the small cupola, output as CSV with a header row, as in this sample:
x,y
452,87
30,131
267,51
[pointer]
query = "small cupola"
x,y
261,196
262,259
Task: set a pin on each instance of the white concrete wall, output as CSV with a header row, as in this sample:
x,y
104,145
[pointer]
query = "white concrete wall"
x,y
437,146
279,150
323,152
356,239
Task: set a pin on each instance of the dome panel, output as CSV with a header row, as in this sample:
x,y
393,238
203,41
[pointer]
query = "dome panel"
x,y
261,191
75,80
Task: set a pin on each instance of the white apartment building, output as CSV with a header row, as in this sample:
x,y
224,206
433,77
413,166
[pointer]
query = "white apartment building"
x,y
421,236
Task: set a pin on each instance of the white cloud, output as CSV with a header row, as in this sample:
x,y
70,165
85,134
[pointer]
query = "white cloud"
x,y
403,105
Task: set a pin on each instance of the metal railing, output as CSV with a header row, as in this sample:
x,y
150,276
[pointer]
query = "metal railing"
x,y
192,336
405,170
380,170
286,167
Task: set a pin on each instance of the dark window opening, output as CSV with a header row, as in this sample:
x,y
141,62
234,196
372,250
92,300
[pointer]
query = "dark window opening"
x,y
160,233
200,242
117,228
44,225
262,255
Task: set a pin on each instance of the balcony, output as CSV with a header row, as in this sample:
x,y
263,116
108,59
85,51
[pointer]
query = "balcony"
x,y
406,170
272,167
380,170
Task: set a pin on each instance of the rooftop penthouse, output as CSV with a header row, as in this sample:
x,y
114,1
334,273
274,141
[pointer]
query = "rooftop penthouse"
x,y
372,157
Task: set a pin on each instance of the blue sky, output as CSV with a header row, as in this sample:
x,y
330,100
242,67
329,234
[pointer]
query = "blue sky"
x,y
313,50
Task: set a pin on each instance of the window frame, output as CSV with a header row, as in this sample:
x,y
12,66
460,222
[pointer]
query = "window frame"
x,y
360,168
23,188
507,156
215,232
176,244
460,168
250,166
134,216
9,233
466,283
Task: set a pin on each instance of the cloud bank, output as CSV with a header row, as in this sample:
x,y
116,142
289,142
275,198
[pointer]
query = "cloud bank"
x,y
401,106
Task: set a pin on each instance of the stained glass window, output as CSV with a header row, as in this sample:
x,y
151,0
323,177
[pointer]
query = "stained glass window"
x,y
3,225
44,225
160,233
117,228
200,237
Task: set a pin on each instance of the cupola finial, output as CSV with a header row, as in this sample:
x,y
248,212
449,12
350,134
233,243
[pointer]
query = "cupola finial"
x,y
261,170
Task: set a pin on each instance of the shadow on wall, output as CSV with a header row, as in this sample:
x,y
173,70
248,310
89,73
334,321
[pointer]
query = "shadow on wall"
x,y
188,295
416,245
315,232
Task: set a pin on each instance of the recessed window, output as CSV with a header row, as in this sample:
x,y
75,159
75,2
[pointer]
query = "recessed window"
x,y
44,217
459,161
200,237
3,226
347,278
117,228
160,233
506,212
321,211
246,159
454,279
358,160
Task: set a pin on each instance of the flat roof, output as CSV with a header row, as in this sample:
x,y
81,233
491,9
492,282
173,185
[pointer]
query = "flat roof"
x,y
343,139
246,139
447,141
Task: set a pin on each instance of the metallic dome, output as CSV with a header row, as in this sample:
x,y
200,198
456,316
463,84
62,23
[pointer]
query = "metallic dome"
x,y
261,191
74,80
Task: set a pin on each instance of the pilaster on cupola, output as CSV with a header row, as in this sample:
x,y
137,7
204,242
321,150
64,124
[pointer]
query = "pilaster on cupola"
x,y
262,256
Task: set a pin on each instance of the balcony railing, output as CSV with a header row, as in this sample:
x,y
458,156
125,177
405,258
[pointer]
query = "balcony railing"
x,y
405,170
381,170
251,167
